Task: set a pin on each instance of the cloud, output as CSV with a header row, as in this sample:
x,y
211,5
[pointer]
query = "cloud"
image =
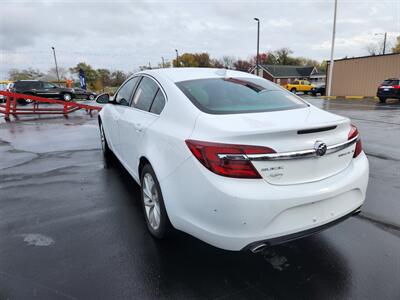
x,y
124,34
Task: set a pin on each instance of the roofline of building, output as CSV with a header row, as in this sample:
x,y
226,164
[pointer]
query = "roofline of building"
x,y
360,57
262,67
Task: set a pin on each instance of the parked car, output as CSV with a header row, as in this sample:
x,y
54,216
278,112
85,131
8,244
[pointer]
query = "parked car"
x,y
299,86
84,94
3,87
49,90
390,88
318,89
231,158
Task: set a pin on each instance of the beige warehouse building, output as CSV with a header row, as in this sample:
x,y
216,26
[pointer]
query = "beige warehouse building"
x,y
361,76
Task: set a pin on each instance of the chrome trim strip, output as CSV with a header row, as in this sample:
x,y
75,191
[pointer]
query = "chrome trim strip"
x,y
233,156
289,155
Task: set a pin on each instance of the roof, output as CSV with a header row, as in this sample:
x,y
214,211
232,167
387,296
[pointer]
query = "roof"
x,y
182,74
289,71
367,56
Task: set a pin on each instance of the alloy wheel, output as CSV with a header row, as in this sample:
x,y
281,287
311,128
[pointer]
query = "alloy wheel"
x,y
67,97
102,138
151,201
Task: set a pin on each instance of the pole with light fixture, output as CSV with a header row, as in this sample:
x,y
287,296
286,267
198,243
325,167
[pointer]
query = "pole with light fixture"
x,y
332,50
55,61
258,46
384,41
177,58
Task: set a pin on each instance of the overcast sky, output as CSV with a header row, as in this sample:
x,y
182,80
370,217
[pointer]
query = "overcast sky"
x,y
126,34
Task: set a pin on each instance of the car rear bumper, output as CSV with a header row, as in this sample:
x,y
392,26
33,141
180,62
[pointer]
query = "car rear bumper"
x,y
256,246
234,213
392,94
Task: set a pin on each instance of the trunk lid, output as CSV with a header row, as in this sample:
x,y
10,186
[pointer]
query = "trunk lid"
x,y
283,131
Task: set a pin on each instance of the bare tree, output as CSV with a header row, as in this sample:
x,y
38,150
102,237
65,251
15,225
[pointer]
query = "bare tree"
x,y
228,61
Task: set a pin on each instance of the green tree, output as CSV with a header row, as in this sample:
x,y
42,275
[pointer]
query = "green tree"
x,y
103,79
90,73
118,77
194,60
396,48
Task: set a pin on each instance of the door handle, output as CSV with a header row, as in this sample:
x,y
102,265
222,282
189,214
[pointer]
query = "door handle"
x,y
138,127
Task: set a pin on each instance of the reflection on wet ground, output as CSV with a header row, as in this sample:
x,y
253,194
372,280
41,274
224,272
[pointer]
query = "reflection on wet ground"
x,y
71,228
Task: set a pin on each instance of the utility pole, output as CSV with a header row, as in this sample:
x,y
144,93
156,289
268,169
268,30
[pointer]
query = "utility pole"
x,y
163,62
384,41
258,46
332,49
55,61
177,58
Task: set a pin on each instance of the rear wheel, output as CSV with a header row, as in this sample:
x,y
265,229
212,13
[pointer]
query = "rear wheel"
x,y
153,204
91,97
107,153
293,90
382,99
67,97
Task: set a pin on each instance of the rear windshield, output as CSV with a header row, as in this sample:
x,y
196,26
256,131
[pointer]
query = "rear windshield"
x,y
391,82
238,95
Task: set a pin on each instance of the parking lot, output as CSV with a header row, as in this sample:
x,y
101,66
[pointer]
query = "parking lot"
x,y
73,228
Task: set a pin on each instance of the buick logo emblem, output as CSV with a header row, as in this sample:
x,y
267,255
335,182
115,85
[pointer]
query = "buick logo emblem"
x,y
320,148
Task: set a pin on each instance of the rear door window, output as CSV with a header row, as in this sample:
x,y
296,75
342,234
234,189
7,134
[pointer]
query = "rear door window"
x,y
145,94
158,103
238,95
48,85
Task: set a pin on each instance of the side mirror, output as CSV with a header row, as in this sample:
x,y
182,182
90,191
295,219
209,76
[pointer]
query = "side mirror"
x,y
103,98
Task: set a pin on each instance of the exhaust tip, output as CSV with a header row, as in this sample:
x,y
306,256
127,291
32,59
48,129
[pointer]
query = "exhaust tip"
x,y
258,248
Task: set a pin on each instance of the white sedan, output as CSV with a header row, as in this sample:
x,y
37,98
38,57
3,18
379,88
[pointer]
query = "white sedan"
x,y
232,158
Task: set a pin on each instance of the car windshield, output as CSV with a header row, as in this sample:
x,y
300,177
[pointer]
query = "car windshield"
x,y
238,95
391,82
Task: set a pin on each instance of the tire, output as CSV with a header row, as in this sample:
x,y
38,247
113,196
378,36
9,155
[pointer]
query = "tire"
x,y
91,97
152,200
67,97
382,100
107,153
293,90
27,101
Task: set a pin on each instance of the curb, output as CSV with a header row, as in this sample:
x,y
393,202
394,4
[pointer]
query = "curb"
x,y
349,97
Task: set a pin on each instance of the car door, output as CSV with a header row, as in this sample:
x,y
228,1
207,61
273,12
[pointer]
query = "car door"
x,y
306,86
114,112
147,103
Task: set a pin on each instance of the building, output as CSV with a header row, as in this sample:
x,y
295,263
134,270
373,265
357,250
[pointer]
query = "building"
x,y
285,74
361,76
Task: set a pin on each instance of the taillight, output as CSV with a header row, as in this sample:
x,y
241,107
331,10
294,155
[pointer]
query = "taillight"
x,y
396,87
352,134
227,159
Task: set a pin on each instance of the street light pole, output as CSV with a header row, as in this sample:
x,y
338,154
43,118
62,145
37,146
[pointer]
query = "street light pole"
x,y
258,45
163,62
332,49
384,41
55,61
177,58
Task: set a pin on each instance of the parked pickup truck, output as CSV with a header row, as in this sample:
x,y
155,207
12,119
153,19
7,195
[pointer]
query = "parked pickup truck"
x,y
299,86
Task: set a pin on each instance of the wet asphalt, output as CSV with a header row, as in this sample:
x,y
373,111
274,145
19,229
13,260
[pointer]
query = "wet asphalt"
x,y
73,228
